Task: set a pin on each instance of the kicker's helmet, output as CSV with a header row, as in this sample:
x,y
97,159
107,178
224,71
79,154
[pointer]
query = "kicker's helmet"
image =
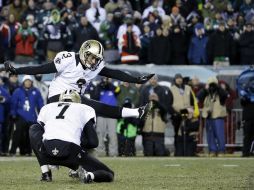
x,y
70,96
91,54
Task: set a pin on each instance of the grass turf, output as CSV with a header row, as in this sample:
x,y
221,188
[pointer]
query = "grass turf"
x,y
138,173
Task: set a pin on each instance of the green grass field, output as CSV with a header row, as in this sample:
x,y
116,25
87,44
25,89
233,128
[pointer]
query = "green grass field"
x,y
138,173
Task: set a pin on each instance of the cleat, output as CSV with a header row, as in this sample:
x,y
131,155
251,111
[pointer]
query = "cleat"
x,y
144,111
47,177
73,173
84,176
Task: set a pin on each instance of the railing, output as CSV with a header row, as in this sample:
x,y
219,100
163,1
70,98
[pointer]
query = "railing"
x,y
233,130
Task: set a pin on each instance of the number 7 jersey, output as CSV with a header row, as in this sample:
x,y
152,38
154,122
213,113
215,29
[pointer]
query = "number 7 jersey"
x,y
69,71
65,120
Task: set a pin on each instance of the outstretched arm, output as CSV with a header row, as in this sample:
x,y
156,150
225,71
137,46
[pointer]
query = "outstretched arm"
x,y
120,75
31,70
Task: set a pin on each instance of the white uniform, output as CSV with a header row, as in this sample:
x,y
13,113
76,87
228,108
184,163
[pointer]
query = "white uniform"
x,y
69,72
65,120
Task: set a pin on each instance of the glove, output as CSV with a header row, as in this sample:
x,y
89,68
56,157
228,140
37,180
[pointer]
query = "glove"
x,y
2,99
9,68
144,79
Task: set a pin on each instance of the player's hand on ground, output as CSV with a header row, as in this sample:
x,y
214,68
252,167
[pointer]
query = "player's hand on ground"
x,y
145,78
9,68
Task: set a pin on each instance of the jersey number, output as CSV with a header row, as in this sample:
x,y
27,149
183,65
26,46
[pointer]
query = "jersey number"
x,y
66,55
61,114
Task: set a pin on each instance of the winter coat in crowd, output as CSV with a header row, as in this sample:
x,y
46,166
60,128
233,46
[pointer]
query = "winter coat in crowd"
x,y
26,103
221,44
246,47
179,47
197,47
159,50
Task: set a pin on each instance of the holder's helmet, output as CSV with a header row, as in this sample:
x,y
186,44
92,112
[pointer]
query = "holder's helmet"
x,y
70,96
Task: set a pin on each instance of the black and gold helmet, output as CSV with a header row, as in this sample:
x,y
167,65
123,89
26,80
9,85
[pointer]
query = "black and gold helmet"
x,y
91,54
70,96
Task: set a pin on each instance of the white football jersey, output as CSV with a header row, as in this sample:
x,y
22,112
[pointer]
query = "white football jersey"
x,y
65,120
69,71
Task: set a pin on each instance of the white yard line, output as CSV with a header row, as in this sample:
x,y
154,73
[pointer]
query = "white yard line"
x,y
172,165
230,165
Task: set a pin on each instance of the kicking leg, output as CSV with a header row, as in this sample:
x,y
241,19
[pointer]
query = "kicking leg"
x,y
116,112
98,171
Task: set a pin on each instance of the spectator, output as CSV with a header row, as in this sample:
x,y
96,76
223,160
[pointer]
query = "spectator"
x,y
154,7
4,108
196,86
126,133
159,51
166,22
197,47
186,140
229,13
209,30
145,40
179,46
192,19
123,28
108,30
55,33
96,14
31,23
85,31
30,10
129,45
247,121
186,7
153,131
26,102
17,8
106,127
221,47
181,98
4,14
11,31
208,10
153,21
83,7
68,15
42,19
177,18
125,7
214,111
217,20
129,91
220,5
233,30
25,40
240,22
111,6
230,102
246,6
246,45
10,85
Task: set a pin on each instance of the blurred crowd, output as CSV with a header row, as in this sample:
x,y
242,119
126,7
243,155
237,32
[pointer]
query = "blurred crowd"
x,y
175,32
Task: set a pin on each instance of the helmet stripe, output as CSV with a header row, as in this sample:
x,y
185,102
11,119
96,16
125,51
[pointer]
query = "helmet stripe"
x,y
99,48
